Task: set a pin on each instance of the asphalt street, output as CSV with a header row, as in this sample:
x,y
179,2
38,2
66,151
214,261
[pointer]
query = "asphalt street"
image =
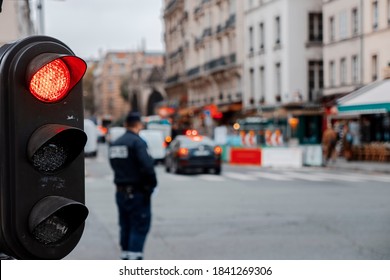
x,y
248,213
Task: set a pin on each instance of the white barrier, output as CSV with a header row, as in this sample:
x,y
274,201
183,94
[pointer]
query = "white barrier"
x,y
282,157
312,155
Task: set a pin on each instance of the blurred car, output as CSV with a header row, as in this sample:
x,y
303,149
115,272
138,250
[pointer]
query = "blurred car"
x,y
102,133
114,133
91,147
193,152
156,143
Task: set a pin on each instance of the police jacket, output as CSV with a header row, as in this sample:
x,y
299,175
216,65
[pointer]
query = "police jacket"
x,y
131,162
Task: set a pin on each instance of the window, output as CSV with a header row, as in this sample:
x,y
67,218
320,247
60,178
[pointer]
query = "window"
x,y
388,12
252,85
343,31
250,40
331,29
315,27
262,36
355,69
374,67
262,83
343,71
375,15
355,21
316,80
277,31
332,74
278,80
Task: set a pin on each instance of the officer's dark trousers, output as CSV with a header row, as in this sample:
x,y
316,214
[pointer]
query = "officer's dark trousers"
x,y
134,220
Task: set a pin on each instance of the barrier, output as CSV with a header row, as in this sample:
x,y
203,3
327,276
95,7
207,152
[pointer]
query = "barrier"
x,y
312,155
245,156
282,157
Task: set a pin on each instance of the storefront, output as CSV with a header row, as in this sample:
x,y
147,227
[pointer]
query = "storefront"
x,y
367,111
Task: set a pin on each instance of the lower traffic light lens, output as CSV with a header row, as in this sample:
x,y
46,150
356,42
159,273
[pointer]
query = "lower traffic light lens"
x,y
54,218
50,231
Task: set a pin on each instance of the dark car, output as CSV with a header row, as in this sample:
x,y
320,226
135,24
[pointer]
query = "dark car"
x,y
193,152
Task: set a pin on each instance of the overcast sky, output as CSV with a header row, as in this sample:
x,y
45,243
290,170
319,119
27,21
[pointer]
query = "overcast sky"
x,y
88,26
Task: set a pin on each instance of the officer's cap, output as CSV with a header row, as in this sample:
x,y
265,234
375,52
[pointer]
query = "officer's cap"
x,y
133,117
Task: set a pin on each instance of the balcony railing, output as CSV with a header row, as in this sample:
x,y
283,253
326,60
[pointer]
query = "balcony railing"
x,y
172,79
170,5
220,28
231,22
212,64
176,53
207,32
193,71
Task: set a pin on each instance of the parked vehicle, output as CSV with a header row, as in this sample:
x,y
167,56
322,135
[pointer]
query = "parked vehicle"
x,y
193,152
91,147
156,143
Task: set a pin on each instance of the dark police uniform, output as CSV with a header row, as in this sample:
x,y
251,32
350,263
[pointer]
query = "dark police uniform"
x,y
135,179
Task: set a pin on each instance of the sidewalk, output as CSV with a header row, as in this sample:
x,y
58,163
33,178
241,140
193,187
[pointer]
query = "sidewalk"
x,y
366,166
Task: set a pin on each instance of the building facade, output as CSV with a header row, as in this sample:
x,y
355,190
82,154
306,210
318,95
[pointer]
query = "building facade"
x,y
145,83
203,56
283,65
16,16
283,52
343,47
356,56
120,83
356,43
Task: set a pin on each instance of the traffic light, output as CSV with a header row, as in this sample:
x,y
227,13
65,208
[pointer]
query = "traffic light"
x,y
42,191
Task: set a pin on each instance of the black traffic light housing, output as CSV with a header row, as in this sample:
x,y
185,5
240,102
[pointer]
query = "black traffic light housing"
x,y
42,193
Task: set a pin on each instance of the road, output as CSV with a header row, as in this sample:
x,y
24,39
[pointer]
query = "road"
x,y
248,213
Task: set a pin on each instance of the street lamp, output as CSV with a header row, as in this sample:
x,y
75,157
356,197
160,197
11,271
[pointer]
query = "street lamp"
x,y
41,16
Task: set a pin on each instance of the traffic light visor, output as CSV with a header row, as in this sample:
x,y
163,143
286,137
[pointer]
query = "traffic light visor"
x,y
52,147
50,76
54,218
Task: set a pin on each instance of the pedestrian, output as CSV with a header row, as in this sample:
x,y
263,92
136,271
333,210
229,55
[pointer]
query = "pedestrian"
x,y
135,180
329,141
347,143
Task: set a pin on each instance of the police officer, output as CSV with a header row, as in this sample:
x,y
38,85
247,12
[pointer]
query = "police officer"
x,y
135,179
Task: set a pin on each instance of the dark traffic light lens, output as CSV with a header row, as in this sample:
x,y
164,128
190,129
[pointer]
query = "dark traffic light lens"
x,y
52,230
52,147
50,157
54,218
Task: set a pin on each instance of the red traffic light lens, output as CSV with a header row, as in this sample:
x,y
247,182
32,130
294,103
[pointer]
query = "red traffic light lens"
x,y
52,82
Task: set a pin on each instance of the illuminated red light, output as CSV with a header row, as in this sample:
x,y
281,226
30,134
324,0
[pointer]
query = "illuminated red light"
x,y
183,152
51,83
217,150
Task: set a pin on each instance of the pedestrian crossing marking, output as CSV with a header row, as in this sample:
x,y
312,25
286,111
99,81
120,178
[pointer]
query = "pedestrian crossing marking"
x,y
261,174
240,176
376,177
212,178
304,176
340,177
271,176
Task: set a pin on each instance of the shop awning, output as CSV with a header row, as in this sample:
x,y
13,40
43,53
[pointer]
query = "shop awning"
x,y
371,99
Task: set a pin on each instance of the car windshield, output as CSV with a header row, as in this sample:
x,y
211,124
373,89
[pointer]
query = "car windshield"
x,y
193,142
